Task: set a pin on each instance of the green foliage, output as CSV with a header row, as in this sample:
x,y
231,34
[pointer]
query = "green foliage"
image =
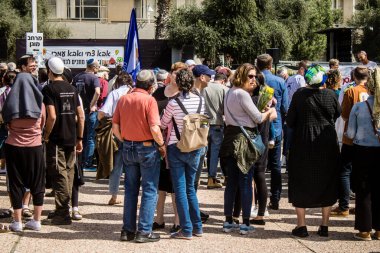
x,y
246,28
367,20
16,20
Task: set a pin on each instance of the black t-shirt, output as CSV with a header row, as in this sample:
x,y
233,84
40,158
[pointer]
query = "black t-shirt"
x,y
86,84
65,100
161,99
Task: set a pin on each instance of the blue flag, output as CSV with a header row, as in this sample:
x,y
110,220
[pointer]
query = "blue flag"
x,y
132,49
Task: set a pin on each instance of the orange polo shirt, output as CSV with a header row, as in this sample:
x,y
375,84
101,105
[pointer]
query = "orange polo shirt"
x,y
136,113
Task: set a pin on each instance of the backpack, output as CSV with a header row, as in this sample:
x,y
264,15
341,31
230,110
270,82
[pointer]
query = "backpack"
x,y
194,131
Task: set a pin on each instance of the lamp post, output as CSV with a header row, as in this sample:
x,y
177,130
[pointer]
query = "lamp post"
x,y
34,16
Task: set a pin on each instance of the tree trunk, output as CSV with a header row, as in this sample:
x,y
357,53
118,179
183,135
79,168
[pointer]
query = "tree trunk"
x,y
163,8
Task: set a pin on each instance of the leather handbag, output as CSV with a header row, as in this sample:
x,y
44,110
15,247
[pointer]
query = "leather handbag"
x,y
254,138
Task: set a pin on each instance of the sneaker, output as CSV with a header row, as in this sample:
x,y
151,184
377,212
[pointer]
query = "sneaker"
x,y
229,227
364,236
127,236
376,235
16,226
337,212
213,184
175,229
33,225
198,233
156,226
244,229
76,215
180,235
151,237
59,220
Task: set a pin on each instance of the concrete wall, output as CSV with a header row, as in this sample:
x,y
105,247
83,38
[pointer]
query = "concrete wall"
x,y
119,10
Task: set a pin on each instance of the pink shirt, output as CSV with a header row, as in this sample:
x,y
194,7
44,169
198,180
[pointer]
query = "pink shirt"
x,y
26,132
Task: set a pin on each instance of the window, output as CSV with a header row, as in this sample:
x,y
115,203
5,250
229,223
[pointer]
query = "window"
x,y
146,9
52,6
337,4
86,9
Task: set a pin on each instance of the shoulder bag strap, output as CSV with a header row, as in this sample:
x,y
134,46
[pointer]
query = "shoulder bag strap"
x,y
372,120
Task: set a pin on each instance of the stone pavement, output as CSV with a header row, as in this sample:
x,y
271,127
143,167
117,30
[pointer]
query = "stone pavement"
x,y
99,230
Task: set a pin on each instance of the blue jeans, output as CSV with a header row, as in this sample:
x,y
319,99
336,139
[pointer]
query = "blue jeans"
x,y
215,139
118,168
89,138
274,163
200,167
345,174
142,164
237,180
183,168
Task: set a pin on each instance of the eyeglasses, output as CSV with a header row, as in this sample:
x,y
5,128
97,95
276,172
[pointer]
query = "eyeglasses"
x,y
252,77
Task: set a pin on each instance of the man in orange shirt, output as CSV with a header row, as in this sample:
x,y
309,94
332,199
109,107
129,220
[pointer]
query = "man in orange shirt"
x,y
136,122
351,97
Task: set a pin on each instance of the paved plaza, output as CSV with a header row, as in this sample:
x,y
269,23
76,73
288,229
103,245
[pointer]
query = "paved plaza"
x,y
99,231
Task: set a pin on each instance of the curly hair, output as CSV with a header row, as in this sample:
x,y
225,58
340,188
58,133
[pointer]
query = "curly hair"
x,y
241,74
185,80
333,79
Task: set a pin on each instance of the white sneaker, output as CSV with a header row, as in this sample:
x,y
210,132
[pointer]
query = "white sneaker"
x,y
33,225
266,213
15,226
254,211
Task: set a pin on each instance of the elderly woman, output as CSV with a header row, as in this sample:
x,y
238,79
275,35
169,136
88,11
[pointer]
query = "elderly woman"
x,y
240,110
365,165
183,165
25,118
314,152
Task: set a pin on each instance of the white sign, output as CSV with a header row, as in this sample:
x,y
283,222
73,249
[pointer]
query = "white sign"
x,y
76,57
34,43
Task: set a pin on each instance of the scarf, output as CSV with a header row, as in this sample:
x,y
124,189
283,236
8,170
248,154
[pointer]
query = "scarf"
x,y
24,100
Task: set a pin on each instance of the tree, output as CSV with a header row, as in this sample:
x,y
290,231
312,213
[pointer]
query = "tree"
x,y
16,20
367,21
163,8
246,28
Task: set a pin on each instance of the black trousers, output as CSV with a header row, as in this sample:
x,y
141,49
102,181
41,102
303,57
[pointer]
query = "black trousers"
x,y
25,169
365,177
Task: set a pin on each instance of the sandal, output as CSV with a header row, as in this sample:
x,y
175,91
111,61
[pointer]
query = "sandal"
x,y
6,214
4,228
114,202
26,213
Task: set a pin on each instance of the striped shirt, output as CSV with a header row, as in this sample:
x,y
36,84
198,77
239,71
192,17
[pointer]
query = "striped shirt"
x,y
173,110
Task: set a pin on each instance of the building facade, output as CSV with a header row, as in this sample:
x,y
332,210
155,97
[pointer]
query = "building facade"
x,y
106,19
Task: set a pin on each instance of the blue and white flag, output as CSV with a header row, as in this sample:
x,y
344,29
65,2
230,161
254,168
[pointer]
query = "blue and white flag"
x,y
132,49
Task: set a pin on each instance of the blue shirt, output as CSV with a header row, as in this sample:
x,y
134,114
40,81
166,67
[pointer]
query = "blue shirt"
x,y
281,95
360,127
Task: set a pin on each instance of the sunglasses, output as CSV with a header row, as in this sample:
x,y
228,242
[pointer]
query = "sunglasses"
x,y
252,77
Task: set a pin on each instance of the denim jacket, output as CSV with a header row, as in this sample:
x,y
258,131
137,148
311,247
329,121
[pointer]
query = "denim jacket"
x,y
360,125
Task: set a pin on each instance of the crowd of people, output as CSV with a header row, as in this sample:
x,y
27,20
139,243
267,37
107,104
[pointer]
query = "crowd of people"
x,y
161,128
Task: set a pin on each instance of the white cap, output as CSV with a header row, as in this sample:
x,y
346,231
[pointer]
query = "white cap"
x,y
56,65
190,62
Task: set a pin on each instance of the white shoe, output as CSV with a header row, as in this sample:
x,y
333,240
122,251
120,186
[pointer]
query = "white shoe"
x,y
266,213
254,211
33,225
15,226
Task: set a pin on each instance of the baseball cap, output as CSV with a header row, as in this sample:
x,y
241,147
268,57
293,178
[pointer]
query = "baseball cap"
x,y
199,70
56,65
